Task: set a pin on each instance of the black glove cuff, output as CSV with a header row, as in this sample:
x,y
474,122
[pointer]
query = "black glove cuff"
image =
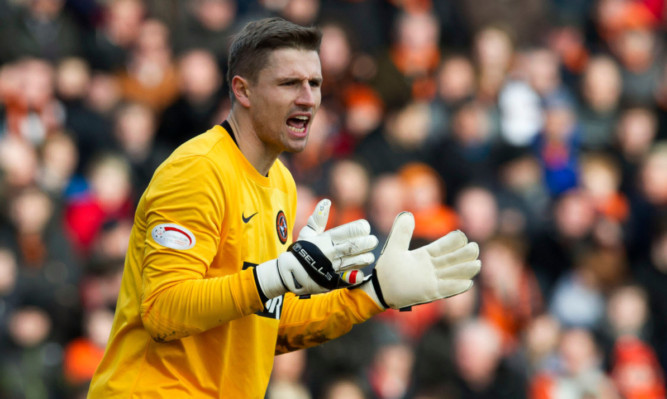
x,y
378,290
316,264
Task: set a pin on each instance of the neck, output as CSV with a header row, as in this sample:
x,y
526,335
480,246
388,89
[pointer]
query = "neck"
x,y
256,152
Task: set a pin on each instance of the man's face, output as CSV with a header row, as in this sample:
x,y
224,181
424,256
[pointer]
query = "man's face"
x,y
284,99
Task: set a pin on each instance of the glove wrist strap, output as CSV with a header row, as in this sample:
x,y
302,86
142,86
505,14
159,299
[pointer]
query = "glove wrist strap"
x,y
316,264
378,290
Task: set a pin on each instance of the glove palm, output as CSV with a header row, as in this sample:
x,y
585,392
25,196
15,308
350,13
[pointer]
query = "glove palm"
x,y
438,270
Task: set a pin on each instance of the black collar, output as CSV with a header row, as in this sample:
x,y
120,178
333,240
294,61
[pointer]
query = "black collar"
x,y
225,125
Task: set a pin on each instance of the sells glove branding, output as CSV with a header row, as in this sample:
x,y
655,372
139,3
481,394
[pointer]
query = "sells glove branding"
x,y
173,236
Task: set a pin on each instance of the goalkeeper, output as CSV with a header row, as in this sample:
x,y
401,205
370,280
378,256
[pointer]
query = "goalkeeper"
x,y
213,286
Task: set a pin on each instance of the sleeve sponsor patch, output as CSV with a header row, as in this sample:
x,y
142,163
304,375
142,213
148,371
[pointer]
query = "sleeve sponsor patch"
x,y
173,236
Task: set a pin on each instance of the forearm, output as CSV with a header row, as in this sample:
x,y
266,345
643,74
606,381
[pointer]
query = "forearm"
x,y
191,306
320,318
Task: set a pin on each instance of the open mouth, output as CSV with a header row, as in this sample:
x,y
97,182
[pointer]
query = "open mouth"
x,y
298,124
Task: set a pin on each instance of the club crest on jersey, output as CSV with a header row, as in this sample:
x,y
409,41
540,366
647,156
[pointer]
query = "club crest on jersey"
x,y
173,236
281,226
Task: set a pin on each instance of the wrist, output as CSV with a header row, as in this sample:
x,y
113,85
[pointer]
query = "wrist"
x,y
372,288
269,281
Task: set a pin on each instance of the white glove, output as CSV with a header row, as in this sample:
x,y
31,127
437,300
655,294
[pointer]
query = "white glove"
x,y
319,260
441,269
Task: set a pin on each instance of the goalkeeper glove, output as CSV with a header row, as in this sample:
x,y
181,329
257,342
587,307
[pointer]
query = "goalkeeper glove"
x,y
319,260
441,269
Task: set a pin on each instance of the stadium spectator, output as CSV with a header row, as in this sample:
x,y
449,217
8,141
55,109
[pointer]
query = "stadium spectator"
x,y
42,29
201,92
601,95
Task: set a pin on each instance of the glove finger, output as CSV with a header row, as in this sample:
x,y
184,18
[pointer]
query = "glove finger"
x,y
355,261
401,233
448,288
342,233
356,245
468,253
317,222
443,245
462,271
351,277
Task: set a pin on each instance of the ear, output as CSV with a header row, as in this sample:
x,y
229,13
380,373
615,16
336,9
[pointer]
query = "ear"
x,y
241,90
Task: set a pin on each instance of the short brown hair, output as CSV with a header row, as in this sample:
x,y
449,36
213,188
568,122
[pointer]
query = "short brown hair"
x,y
251,47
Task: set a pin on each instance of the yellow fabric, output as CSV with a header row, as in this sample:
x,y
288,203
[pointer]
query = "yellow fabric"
x,y
189,322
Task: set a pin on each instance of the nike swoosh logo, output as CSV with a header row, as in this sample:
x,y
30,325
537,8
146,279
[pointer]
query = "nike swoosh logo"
x,y
247,219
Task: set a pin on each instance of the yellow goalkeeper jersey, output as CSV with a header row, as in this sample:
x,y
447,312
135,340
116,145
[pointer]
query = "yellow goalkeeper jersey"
x,y
189,321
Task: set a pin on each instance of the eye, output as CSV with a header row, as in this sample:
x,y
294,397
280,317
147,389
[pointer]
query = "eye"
x,y
315,83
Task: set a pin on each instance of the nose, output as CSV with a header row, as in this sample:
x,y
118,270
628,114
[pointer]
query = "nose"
x,y
308,95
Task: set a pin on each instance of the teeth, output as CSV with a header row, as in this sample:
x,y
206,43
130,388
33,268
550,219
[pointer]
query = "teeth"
x,y
297,130
302,118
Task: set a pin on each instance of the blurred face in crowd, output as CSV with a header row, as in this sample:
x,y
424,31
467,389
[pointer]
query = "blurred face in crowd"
x,y
284,99
654,176
29,326
289,367
344,389
8,271
659,252
335,51
627,310
601,87
110,182
600,176
153,39
636,131
123,21
423,187
104,93
575,215
478,352
199,75
543,73
38,83
559,122
387,200
59,156
18,162
635,49
542,335
503,268
31,211
478,212
215,15
349,184
98,326
493,49
302,12
135,128
456,79
578,351
73,78
409,127
392,367
471,125
418,31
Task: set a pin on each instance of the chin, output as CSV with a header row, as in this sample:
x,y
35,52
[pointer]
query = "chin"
x,y
296,148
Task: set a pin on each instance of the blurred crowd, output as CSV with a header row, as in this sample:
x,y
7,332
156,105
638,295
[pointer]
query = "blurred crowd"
x,y
538,127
